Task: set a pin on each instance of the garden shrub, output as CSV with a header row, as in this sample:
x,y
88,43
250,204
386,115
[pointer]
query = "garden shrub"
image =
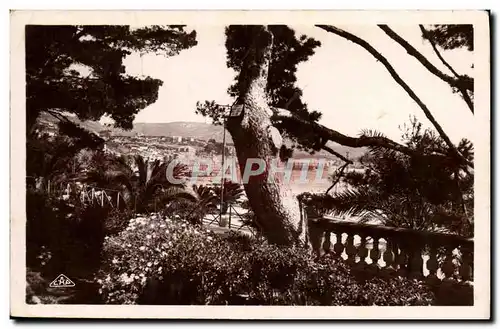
x,y
337,283
50,230
64,236
187,209
453,293
39,292
157,260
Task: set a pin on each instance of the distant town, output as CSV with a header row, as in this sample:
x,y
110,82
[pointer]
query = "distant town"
x,y
187,149
184,149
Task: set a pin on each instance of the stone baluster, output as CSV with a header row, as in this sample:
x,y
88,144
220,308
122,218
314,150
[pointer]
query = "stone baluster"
x,y
403,251
402,260
466,266
362,251
338,247
375,252
432,263
416,262
327,243
350,249
316,234
448,267
389,254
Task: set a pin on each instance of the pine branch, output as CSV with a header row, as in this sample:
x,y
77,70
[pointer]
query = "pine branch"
x,y
337,154
456,81
362,141
339,176
465,95
436,51
59,116
348,36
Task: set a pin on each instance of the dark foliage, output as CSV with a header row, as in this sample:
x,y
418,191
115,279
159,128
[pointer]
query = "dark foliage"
x,y
289,50
144,184
66,237
214,147
54,157
207,200
231,193
181,265
79,69
418,192
249,219
452,36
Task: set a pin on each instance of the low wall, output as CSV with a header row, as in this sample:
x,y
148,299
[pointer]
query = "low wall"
x,y
409,252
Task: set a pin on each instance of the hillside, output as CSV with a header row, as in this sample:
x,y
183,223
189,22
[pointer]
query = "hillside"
x,y
206,131
198,130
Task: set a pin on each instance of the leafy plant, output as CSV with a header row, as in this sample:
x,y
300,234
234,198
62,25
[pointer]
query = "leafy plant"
x,y
79,69
289,50
53,160
231,193
143,183
206,201
424,192
157,260
65,237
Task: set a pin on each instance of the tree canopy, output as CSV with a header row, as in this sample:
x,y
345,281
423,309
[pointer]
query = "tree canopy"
x,y
266,58
79,69
289,50
417,192
300,125
451,36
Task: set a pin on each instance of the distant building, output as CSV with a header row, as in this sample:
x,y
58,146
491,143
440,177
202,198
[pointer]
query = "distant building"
x,y
187,149
177,139
105,133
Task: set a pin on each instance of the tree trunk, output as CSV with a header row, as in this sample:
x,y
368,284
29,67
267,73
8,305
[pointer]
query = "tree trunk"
x,y
276,209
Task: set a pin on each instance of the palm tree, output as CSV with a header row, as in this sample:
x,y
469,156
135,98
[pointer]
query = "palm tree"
x,y
207,197
143,183
52,161
207,200
231,194
420,192
194,209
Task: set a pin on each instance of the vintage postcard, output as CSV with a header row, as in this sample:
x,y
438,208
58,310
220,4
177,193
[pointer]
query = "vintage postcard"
x,y
250,164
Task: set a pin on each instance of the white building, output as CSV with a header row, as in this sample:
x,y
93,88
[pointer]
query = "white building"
x,y
187,149
177,139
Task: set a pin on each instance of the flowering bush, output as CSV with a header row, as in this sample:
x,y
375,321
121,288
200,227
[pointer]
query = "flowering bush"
x,y
333,282
157,260
155,249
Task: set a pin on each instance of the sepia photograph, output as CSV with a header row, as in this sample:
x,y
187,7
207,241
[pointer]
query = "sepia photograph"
x,y
291,165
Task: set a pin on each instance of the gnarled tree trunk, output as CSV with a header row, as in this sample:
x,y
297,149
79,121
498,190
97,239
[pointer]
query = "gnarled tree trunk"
x,y
276,209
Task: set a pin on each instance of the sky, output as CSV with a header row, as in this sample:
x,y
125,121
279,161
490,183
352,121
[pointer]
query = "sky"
x,y
341,80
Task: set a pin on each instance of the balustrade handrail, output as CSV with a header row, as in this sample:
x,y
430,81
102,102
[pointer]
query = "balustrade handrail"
x,y
329,223
403,250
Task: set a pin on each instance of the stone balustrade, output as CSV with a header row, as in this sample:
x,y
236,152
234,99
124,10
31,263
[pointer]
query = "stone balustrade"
x,y
409,252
